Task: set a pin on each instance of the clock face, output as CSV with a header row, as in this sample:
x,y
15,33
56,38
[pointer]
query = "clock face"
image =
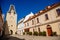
x,y
12,17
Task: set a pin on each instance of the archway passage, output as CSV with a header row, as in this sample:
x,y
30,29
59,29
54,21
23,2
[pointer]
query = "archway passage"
x,y
49,30
11,32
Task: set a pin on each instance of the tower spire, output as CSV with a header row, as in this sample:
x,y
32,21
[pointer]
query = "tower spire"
x,y
11,9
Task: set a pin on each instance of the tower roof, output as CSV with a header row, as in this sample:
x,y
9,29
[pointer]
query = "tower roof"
x,y
12,7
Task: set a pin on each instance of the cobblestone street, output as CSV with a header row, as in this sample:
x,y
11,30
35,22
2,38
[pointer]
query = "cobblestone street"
x,y
10,38
27,37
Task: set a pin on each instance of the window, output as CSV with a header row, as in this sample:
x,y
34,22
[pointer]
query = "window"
x,y
32,22
38,29
37,20
59,26
46,16
33,30
11,25
58,11
27,24
14,12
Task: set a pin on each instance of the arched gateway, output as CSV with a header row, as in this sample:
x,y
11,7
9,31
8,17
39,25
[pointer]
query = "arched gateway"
x,y
11,32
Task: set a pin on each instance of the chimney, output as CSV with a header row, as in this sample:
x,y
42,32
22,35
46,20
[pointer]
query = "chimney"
x,y
41,11
49,7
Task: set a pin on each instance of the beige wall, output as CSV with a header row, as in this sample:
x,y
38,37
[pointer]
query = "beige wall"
x,y
52,15
12,22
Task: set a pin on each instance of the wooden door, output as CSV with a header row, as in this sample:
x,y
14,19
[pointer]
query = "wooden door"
x,y
49,31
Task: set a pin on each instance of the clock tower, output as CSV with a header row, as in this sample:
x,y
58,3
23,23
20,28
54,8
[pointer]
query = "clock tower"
x,y
11,19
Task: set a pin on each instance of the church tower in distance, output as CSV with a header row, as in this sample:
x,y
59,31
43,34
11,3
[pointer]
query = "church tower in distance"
x,y
11,19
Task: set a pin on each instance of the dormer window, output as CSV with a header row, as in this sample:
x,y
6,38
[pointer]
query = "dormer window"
x,y
58,11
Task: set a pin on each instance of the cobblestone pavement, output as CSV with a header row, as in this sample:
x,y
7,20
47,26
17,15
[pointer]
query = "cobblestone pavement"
x,y
10,38
27,37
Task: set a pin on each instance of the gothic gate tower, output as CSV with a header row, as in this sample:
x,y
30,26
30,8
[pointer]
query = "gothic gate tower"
x,y
11,19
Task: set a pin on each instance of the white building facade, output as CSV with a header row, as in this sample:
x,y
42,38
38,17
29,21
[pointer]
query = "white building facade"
x,y
20,27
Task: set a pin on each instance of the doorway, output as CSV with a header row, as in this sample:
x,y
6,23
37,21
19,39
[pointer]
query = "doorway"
x,y
11,32
49,30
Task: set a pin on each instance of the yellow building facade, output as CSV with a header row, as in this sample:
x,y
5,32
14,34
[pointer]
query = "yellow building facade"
x,y
47,20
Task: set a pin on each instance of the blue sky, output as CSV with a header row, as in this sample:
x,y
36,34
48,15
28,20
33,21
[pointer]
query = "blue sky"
x,y
24,7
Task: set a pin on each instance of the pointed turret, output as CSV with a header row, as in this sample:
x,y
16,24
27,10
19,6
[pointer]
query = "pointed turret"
x,y
12,9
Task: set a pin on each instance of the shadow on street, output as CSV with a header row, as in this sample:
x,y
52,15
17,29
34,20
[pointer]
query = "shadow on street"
x,y
10,38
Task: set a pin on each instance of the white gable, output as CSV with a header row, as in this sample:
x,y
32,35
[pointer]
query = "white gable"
x,y
27,17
